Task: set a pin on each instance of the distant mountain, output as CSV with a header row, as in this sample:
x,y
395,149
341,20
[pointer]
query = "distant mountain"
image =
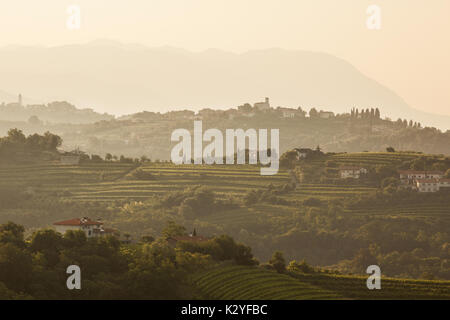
x,y
125,78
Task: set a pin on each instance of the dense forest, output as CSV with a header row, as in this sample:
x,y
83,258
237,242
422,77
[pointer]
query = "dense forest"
x,y
35,268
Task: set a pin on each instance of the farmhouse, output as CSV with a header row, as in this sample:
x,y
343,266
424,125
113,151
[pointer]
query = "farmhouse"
x,y
427,185
90,227
432,185
415,174
351,172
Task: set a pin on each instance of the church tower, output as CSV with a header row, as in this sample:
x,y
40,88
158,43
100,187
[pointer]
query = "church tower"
x,y
20,100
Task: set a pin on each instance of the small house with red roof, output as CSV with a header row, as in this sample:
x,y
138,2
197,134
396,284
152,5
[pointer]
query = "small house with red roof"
x,y
427,185
91,228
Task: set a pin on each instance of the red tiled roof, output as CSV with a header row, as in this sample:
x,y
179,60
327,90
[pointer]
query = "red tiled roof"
x,y
427,181
411,172
78,222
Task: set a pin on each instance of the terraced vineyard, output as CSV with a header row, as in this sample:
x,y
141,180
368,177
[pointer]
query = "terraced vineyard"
x,y
354,287
235,283
329,191
373,158
418,210
111,181
246,283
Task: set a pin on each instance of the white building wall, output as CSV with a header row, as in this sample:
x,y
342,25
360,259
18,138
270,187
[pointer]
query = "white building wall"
x,y
88,230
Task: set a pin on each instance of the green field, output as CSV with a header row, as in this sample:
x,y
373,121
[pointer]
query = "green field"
x,y
235,283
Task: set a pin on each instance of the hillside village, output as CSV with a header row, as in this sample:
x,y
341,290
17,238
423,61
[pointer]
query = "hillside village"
x,y
245,110
147,133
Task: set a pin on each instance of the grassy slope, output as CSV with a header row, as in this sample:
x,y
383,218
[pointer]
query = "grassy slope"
x,y
235,282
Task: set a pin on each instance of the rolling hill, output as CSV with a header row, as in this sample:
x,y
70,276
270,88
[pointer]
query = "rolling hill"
x,y
247,283
328,231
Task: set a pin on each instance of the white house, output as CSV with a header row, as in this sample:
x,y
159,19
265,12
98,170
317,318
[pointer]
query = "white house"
x,y
412,174
90,227
427,185
409,177
417,174
351,172
432,185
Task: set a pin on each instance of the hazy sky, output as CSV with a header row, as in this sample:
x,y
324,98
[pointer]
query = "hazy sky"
x,y
410,54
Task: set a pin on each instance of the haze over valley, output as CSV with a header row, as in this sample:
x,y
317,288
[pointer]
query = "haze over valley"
x,y
118,78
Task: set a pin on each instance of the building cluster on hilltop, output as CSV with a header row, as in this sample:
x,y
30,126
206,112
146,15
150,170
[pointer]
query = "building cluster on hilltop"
x,y
246,110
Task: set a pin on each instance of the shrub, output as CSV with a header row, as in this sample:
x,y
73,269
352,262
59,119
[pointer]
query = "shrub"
x,y
277,262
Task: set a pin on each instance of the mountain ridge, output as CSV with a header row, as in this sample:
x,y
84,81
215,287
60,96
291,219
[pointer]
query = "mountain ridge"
x,y
167,78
